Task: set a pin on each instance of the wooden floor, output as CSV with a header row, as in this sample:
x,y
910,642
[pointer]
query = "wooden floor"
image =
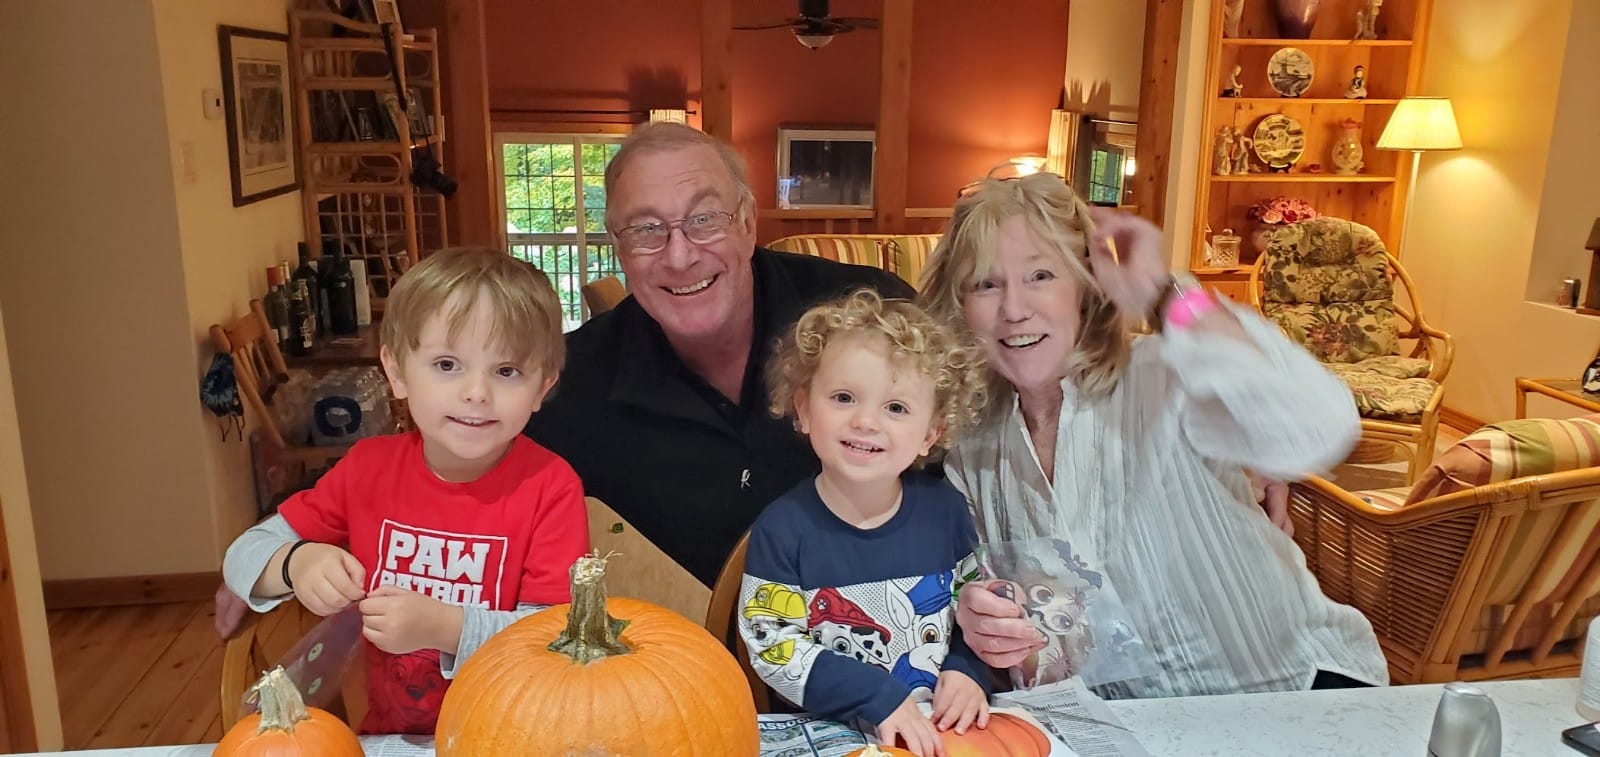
x,y
148,674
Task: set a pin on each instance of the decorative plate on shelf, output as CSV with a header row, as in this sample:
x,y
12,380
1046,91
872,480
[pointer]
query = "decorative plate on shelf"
x,y
1279,141
1290,71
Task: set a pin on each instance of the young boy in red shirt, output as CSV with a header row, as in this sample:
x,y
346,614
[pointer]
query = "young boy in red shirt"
x,y
449,533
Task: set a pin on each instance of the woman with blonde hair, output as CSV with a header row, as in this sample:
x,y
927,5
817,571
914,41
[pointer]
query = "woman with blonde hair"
x,y
1133,449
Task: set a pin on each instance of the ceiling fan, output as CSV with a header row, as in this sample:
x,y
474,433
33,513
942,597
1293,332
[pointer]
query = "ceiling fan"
x,y
814,28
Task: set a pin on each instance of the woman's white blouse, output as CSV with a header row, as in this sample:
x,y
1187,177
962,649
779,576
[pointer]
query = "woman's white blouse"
x,y
1149,487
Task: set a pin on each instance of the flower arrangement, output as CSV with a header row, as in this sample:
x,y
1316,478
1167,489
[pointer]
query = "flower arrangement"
x,y
1282,209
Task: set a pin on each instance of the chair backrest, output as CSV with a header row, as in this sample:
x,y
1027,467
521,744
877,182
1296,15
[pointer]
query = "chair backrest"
x,y
258,366
1496,574
857,249
641,570
1329,284
603,294
908,255
1325,281
722,623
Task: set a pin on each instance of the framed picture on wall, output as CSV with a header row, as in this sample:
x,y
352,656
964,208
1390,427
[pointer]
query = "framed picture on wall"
x,y
256,105
825,168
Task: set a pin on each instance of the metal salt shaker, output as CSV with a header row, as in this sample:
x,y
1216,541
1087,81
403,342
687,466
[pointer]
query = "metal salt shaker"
x,y
1467,724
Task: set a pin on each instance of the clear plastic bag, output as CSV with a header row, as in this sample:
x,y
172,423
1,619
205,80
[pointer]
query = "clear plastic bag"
x,y
348,405
1087,630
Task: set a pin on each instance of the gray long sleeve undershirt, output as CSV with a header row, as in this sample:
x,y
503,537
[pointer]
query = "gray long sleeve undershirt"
x,y
249,554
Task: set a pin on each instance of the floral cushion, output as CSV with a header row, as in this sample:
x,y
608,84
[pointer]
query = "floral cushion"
x,y
1383,396
1326,284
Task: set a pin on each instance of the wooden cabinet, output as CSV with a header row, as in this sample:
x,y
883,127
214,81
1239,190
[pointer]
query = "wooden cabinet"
x,y
1375,196
360,148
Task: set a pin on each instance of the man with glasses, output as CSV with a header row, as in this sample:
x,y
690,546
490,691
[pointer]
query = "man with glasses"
x,y
661,408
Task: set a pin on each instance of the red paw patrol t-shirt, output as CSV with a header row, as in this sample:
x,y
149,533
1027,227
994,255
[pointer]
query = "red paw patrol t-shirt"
x,y
502,540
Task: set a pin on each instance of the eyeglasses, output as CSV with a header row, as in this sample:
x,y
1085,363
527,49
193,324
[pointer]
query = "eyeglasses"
x,y
651,237
972,187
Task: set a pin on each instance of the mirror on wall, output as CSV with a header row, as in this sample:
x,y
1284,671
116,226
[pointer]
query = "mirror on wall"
x,y
1103,161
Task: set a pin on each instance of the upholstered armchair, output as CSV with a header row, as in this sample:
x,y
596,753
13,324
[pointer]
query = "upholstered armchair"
x,y
1487,568
1329,284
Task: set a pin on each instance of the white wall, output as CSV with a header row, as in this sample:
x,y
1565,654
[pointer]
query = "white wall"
x,y
1525,181
1570,202
117,265
93,290
225,249
1105,48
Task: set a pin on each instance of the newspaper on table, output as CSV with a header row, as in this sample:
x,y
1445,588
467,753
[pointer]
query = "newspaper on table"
x,y
1073,714
809,736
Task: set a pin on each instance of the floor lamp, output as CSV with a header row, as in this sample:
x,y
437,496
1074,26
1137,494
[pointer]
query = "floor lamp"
x,y
1420,124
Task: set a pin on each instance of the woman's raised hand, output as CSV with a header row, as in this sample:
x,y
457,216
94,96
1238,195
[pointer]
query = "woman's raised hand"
x,y
1129,260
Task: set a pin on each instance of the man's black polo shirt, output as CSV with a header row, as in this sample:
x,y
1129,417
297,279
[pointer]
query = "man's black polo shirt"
x,y
688,468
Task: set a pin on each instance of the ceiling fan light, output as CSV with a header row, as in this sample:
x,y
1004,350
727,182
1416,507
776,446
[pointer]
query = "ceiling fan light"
x,y
814,41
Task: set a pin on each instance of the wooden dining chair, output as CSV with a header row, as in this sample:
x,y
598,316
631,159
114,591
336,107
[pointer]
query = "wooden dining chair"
x,y
720,620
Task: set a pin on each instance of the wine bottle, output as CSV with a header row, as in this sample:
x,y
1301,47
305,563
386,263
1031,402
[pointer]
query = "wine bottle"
x,y
308,273
302,323
276,303
340,284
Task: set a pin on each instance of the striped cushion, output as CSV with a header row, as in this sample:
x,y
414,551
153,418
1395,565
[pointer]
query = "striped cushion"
x,y
1511,449
909,254
857,249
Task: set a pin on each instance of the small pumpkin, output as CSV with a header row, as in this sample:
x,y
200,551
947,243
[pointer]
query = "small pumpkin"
x,y
601,677
874,750
286,727
1005,736
1040,741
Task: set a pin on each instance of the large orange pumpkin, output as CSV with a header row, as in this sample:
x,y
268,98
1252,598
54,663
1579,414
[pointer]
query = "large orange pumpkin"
x,y
599,677
286,727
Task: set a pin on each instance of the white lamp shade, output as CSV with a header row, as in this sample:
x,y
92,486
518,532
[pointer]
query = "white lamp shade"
x,y
1421,123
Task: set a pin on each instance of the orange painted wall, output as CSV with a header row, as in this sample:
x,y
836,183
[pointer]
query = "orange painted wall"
x,y
985,76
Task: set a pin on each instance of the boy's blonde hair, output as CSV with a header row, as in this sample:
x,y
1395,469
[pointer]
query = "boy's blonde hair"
x,y
526,312
1057,218
912,336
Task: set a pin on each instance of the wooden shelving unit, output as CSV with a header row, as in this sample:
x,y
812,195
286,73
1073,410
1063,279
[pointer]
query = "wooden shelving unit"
x,y
358,194
1375,197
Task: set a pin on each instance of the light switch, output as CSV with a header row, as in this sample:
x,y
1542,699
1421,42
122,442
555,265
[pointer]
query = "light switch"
x,y
211,103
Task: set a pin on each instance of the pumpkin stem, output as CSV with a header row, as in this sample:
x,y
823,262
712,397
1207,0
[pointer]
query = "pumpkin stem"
x,y
592,634
281,705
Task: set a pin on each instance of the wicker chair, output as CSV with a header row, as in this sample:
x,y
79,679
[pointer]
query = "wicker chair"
x,y
1329,284
1488,568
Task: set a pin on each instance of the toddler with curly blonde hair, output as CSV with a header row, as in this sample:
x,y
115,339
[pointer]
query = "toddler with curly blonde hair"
x,y
845,604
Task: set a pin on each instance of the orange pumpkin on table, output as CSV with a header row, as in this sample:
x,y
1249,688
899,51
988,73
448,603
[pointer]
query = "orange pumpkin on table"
x,y
286,727
1006,736
599,676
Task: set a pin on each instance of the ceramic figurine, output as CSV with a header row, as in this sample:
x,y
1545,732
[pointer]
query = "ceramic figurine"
x,y
1358,84
1222,152
1234,88
1591,377
1367,20
1232,11
1241,153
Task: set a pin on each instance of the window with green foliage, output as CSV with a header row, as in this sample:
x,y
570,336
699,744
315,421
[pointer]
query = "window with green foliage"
x,y
554,204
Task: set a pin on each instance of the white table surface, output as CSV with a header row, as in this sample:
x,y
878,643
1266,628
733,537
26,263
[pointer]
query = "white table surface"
x,y
1376,721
